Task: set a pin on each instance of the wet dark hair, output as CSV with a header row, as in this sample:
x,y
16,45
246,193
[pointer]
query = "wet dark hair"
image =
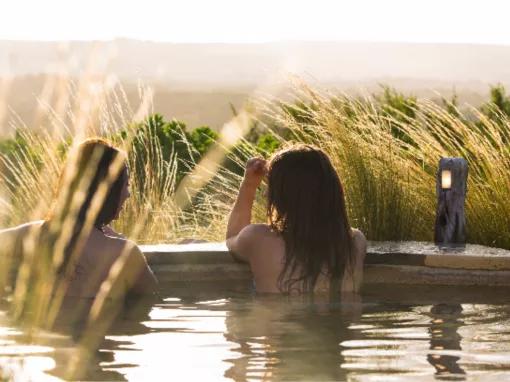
x,y
306,206
94,163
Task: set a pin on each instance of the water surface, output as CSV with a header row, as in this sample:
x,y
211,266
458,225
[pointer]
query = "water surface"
x,y
203,333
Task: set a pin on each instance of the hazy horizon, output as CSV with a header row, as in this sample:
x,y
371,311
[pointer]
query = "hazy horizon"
x,y
201,56
197,82
253,64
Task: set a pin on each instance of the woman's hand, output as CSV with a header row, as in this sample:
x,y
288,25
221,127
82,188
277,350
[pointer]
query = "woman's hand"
x,y
256,170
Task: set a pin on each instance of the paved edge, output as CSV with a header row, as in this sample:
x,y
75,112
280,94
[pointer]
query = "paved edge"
x,y
386,263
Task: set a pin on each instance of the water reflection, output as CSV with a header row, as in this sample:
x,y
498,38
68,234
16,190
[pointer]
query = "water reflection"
x,y
183,341
37,354
444,336
294,339
237,336
93,348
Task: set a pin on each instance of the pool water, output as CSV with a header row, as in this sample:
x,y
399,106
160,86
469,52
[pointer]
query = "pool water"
x,y
208,334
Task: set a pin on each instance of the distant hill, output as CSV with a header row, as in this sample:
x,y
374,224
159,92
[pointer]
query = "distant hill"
x,y
196,108
234,65
196,82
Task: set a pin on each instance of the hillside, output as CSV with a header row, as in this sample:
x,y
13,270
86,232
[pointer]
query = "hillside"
x,y
198,82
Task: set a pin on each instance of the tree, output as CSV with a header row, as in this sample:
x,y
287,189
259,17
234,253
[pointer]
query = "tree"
x,y
158,145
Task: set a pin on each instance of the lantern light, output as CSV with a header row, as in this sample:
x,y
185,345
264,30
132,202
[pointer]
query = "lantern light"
x,y
446,179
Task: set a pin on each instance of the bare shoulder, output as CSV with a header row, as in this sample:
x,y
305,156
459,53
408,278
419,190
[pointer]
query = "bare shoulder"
x,y
131,249
22,228
257,230
129,264
242,245
358,236
359,246
14,234
129,257
256,233
118,245
359,242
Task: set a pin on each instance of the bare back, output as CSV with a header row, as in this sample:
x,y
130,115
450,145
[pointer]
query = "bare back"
x,y
95,263
264,250
93,266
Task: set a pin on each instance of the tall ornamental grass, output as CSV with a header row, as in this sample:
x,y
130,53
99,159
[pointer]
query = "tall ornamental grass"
x,y
386,153
387,158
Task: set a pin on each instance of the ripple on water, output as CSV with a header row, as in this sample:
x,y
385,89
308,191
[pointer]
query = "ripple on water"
x,y
247,338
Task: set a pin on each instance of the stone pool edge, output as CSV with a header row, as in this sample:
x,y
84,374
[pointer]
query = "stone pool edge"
x,y
418,263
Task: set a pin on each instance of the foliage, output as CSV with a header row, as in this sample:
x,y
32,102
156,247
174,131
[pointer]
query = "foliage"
x,y
499,103
385,147
174,142
267,143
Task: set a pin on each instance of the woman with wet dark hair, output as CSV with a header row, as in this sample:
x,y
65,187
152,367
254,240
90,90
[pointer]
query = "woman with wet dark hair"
x,y
75,238
308,244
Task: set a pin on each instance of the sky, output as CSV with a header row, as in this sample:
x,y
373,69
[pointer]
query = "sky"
x,y
252,21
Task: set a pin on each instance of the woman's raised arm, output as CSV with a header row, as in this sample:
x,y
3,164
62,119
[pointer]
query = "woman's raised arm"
x,y
240,217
